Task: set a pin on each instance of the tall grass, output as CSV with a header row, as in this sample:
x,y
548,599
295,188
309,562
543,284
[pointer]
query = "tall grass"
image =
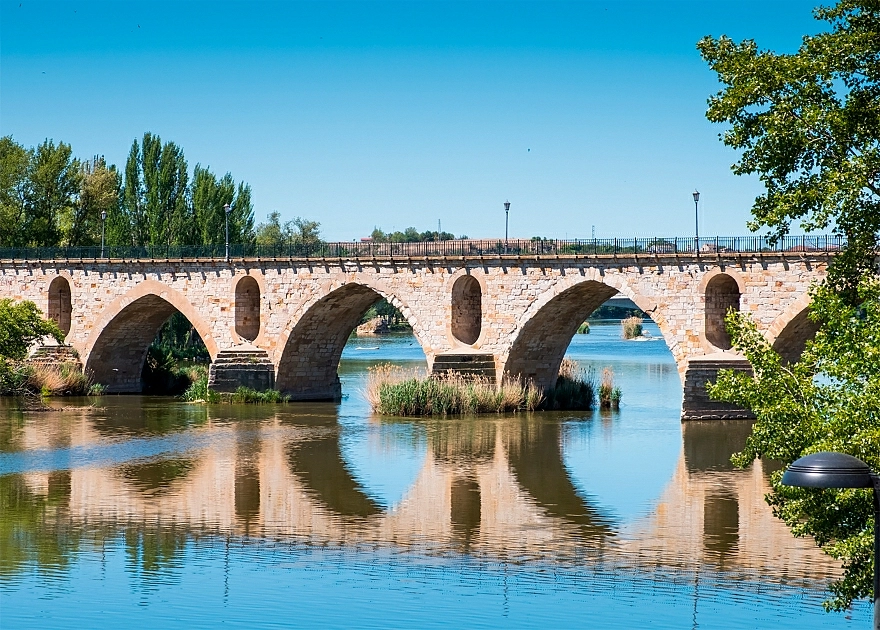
x,y
632,327
58,379
391,390
609,394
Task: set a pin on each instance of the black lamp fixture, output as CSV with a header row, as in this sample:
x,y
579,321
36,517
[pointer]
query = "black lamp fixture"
x,y
506,215
103,221
838,470
697,221
227,209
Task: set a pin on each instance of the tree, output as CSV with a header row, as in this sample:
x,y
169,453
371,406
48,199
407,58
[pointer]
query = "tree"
x,y
81,224
20,326
14,191
808,124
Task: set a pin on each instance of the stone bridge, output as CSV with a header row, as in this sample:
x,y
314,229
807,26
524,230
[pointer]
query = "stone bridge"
x,y
284,322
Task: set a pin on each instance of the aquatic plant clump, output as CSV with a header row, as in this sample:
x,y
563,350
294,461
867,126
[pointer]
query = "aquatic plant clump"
x,y
632,327
609,394
198,391
391,390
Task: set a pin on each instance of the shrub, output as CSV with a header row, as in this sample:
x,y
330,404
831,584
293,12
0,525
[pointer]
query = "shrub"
x,y
632,327
584,329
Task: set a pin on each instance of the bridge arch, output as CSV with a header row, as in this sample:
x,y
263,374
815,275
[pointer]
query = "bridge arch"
x,y
116,350
545,330
722,291
60,308
791,330
309,349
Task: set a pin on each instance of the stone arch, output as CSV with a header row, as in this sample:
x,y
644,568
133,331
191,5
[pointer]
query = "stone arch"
x,y
466,319
722,293
309,350
790,331
546,329
60,308
117,347
247,308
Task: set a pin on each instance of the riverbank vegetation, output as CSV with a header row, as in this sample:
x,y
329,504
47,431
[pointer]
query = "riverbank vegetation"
x,y
392,390
198,391
21,325
807,124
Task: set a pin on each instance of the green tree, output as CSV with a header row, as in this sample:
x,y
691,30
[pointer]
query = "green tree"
x,y
272,233
81,224
53,185
14,192
21,325
808,123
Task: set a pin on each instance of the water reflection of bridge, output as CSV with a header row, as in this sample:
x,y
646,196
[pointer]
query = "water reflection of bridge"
x,y
498,488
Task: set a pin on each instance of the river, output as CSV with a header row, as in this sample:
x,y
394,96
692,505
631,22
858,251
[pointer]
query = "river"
x,y
146,512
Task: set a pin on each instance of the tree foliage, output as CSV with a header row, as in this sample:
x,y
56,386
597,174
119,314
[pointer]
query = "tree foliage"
x,y
808,124
410,235
297,231
21,325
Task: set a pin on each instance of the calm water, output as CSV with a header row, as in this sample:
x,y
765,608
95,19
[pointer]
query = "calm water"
x,y
150,513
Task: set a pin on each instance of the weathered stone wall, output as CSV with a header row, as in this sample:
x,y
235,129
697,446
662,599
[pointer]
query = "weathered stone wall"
x,y
530,307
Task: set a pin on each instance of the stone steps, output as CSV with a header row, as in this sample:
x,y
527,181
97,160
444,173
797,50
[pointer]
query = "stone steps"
x,y
232,369
468,365
696,404
54,354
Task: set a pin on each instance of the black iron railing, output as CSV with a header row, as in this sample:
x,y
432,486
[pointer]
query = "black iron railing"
x,y
653,246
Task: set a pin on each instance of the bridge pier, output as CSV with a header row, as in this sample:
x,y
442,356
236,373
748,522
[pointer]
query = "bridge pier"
x,y
468,365
237,367
696,404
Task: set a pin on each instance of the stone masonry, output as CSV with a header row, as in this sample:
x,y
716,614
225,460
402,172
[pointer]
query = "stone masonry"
x,y
296,315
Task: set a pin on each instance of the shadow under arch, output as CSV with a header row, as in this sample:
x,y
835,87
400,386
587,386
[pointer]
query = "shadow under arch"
x,y
117,349
318,463
535,459
549,327
307,368
792,330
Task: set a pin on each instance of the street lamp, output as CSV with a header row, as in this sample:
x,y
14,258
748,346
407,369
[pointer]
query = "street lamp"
x,y
227,208
837,470
103,220
697,221
506,215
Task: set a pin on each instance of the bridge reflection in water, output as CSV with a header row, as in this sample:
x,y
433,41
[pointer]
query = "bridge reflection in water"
x,y
498,488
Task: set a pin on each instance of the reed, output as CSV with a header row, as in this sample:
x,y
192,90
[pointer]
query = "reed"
x,y
391,390
58,379
609,394
632,327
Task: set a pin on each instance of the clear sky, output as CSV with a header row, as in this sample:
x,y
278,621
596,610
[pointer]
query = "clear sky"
x,y
396,114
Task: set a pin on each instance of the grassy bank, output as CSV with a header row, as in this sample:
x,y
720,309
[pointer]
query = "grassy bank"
x,y
394,391
45,379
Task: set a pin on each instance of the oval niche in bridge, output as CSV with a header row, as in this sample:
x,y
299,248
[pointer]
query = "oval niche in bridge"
x,y
247,308
722,294
59,303
467,310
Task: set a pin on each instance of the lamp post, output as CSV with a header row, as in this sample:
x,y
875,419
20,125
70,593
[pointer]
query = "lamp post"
x,y
837,470
697,221
103,221
506,216
227,208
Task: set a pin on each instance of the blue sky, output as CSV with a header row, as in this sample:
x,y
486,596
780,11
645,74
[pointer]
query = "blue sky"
x,y
396,114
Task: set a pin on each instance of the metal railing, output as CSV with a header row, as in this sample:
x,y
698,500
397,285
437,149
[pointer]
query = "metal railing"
x,y
653,246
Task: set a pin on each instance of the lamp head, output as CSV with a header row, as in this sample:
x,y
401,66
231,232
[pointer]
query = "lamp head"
x,y
227,208
507,206
828,470
696,195
103,215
